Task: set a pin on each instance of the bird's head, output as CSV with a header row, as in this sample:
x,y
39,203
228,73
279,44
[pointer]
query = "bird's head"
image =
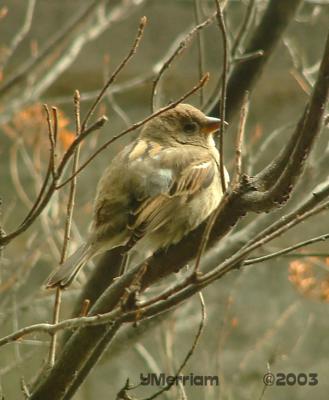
x,y
183,124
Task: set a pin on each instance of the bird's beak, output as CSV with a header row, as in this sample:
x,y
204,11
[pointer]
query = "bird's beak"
x,y
212,125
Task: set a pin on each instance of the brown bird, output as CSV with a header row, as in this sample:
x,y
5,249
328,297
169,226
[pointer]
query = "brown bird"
x,y
154,192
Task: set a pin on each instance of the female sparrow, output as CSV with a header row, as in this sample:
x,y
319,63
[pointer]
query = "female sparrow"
x,y
154,192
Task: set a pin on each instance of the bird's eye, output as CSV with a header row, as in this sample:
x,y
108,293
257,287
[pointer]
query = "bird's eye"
x,y
190,127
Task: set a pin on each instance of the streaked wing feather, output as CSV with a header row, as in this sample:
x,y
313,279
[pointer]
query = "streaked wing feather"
x,y
156,211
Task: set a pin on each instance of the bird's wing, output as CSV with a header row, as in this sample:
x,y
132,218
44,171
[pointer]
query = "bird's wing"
x,y
178,173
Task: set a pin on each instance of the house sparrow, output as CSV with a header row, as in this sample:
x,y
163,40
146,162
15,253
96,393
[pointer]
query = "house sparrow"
x,y
154,192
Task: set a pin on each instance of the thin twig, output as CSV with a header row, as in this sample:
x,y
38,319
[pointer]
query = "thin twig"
x,y
52,47
238,257
121,87
85,308
122,393
213,98
277,15
40,195
55,319
71,200
66,324
16,178
51,142
83,135
179,49
244,30
239,140
190,352
320,193
221,24
247,57
123,63
86,29
306,255
96,355
316,239
55,118
213,217
200,48
68,223
206,233
21,34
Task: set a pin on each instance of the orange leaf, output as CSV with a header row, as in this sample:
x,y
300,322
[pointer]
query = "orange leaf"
x,y
66,137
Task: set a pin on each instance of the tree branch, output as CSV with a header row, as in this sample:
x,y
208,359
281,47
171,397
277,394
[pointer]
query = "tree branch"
x,y
266,36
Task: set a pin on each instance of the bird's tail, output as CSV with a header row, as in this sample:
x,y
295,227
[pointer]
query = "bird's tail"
x,y
66,272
